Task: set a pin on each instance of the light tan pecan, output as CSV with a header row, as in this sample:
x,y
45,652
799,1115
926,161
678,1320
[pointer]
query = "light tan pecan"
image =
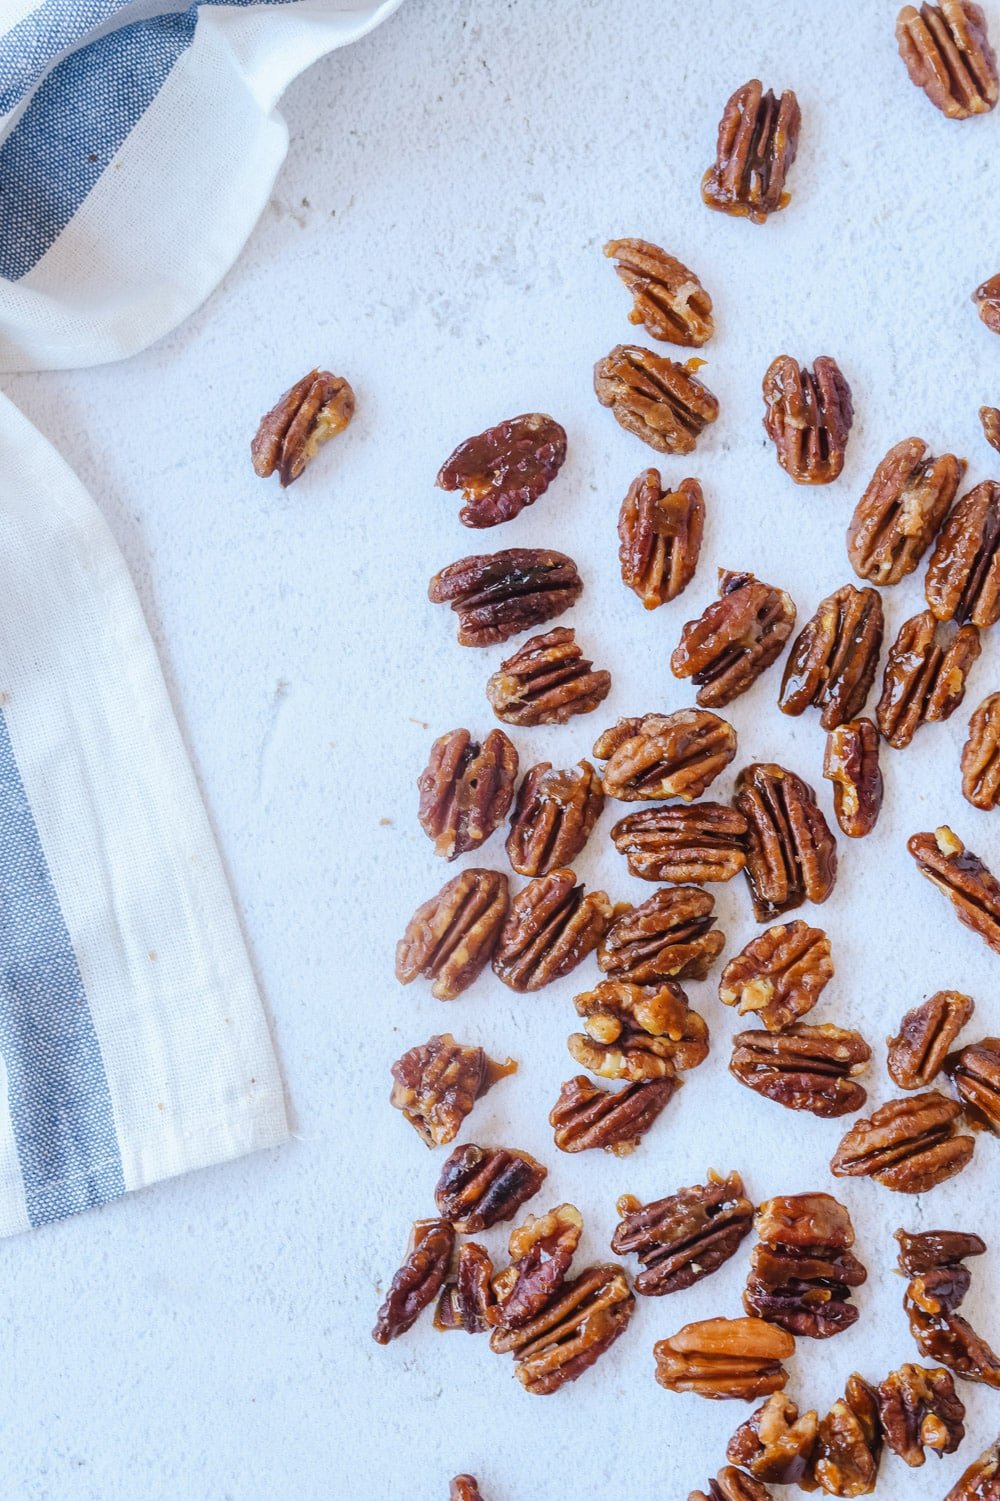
x,y
685,1237
791,854
775,1443
963,575
833,659
779,975
437,1084
925,676
909,1145
920,1408
987,300
918,1051
897,517
479,1186
553,817
551,925
802,1270
657,399
808,416
969,885
466,790
541,1251
851,763
583,1319
450,938
638,1031
758,139
803,1067
665,755
990,420
496,595
975,1074
848,1446
947,53
467,1300
705,842
505,468
465,1488
585,1116
981,1481
418,1281
317,408
547,681
732,1485
669,299
981,756
724,1358
734,640
660,533
669,936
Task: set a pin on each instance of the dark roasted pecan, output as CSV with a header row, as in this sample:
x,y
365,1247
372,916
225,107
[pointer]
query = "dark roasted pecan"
x,y
669,299
654,397
920,1409
963,575
802,1272
553,817
775,1443
437,1084
466,790
638,1031
987,300
975,1073
981,756
758,138
685,1237
665,755
734,640
925,676
927,1250
451,937
948,54
467,1299
848,1443
706,842
910,1145
465,1488
586,1116
505,468
940,1290
670,936
541,1251
803,1067
779,976
791,854
981,1481
972,889
896,519
850,762
833,659
926,1033
479,1186
418,1281
732,1485
552,924
547,681
943,1335
496,595
990,419
581,1321
808,416
317,407
720,1358
660,532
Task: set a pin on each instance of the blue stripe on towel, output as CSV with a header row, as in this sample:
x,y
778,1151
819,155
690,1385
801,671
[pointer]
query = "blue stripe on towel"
x,y
30,46
58,1095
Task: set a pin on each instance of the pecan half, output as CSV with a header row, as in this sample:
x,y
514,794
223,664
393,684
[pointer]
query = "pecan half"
x,y
479,1186
685,1237
553,817
981,756
665,755
437,1084
573,1331
467,1299
541,1251
496,595
803,1067
791,854
724,1358
909,1145
927,1250
758,139
833,659
803,1270
505,468
669,936
654,397
775,1443
779,975
660,533
981,1481
975,1074
552,925
848,1446
706,842
947,53
808,416
547,681
734,640
317,408
943,1335
925,676
917,1053
987,300
418,1281
465,1488
451,937
963,575
732,1485
466,790
850,762
669,299
972,889
897,517
638,1031
585,1116
990,419
920,1409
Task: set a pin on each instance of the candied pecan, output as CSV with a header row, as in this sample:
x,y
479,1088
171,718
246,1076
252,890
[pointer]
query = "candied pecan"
x,y
775,1443
802,1271
685,1237
919,1408
665,755
925,676
465,1488
926,1033
466,790
706,842
803,1067
975,1074
496,595
450,937
972,889
848,1446
947,53
437,1084
779,975
479,1186
910,1145
981,1481
981,756
808,416
654,397
669,936
660,532
467,1299
669,299
963,575
791,854
850,762
317,407
418,1280
586,1116
541,1251
553,817
551,926
833,658
927,1250
638,1031
722,1358
944,1335
990,419
732,1485
758,138
987,300
547,681
897,517
505,468
735,638
582,1320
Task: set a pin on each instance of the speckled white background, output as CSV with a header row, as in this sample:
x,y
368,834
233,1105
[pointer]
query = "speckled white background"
x,y
436,234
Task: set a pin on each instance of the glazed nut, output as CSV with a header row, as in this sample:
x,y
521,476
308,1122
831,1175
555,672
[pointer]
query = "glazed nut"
x,y
732,1485
972,889
926,1034
497,595
541,1251
981,756
418,1281
585,1116
572,1331
803,1270
665,755
466,790
317,408
925,676
734,640
975,1075
987,300
758,139
467,1299
791,854
638,1032
848,1446
775,1443
803,1067
480,1186
505,468
547,681
660,401
660,534
668,298
947,53
465,1488
851,763
909,1145
928,1250
834,657
552,924
685,1237
724,1358
963,575
981,1481
437,1084
897,517
553,817
941,1334
779,975
705,842
670,936
808,416
989,417
920,1409
450,938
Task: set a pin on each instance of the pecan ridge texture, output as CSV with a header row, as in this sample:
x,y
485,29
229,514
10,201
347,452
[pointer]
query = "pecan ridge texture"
x,y
553,817
963,575
735,639
581,1321
547,681
656,398
724,1358
925,676
920,1409
317,408
587,1116
791,854
897,517
803,1067
779,975
703,842
467,1299
975,1075
505,468
669,936
551,925
972,889
834,657
418,1281
981,756
909,1145
669,299
851,763
947,53
450,938
918,1051
496,595
466,790
479,1186
939,1281
660,534
775,1443
848,1447
665,755
808,416
803,1269
638,1032
437,1084
541,1251
684,1237
757,142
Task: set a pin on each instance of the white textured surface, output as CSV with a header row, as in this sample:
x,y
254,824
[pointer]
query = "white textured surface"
x,y
436,235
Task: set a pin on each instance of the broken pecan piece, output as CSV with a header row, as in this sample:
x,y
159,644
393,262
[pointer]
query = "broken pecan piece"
x,y
987,300
665,755
465,1488
541,1251
451,937
803,1067
734,640
920,1409
791,854
981,1481
981,756
779,975
505,468
547,681
833,660
972,889
551,925
586,1116
808,416
758,139
669,936
467,1299
553,817
990,419
654,397
466,790
685,1237
638,1031
775,1443
927,1250
582,1320
660,533
917,1053
897,517
724,1358
732,1485
669,299
479,1186
910,1144
437,1084
317,408
496,595
947,53
705,842
975,1074
418,1281
850,762
943,1335
963,575
925,676
848,1446
802,1270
